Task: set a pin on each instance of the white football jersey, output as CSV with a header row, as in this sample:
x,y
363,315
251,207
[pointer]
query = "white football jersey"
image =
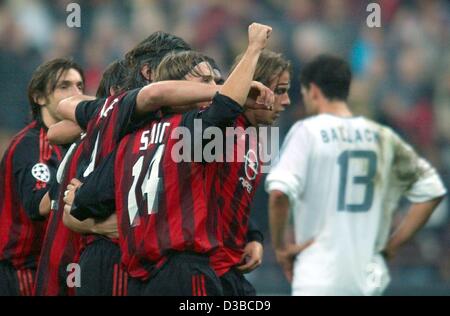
x,y
344,178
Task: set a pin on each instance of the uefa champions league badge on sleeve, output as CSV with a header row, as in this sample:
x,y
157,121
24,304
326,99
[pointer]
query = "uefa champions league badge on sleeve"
x,y
41,172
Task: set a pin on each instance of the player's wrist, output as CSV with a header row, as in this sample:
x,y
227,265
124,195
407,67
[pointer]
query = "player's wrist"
x,y
389,252
254,49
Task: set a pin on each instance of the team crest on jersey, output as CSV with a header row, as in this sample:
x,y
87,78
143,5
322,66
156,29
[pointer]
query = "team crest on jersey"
x,y
251,165
251,170
41,172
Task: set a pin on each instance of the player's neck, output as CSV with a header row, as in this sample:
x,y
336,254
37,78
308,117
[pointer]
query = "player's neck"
x,y
336,108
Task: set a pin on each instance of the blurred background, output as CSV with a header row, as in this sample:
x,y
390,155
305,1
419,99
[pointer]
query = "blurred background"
x,y
401,70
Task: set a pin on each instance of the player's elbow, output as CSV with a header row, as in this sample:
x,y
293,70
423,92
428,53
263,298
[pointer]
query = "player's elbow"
x,y
434,203
66,108
150,97
62,105
278,202
277,196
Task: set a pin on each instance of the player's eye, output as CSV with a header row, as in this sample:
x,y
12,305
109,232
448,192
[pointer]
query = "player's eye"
x,y
281,91
207,79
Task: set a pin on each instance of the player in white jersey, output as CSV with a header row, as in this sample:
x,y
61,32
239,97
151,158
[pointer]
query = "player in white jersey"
x,y
342,177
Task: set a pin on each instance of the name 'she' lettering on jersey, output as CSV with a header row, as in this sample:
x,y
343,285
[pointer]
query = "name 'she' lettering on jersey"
x,y
340,134
154,136
106,110
207,145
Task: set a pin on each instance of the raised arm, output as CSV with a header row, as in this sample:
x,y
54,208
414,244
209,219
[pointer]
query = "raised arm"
x,y
67,107
64,132
172,93
237,86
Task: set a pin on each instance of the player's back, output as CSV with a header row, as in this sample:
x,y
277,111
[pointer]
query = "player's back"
x,y
350,192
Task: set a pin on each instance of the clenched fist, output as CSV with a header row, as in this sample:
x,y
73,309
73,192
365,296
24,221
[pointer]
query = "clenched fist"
x,y
258,34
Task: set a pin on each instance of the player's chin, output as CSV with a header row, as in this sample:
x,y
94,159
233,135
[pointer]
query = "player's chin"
x,y
273,119
269,121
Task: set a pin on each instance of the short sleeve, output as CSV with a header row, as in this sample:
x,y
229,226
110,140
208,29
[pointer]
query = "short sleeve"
x,y
420,180
222,112
86,110
32,178
289,173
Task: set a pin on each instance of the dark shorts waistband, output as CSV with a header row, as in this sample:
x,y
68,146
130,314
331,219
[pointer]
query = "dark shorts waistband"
x,y
192,257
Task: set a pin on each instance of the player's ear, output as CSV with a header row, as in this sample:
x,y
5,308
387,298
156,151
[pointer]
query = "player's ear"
x,y
146,72
40,99
314,91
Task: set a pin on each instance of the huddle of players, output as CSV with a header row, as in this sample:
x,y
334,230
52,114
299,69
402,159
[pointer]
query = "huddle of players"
x,y
115,202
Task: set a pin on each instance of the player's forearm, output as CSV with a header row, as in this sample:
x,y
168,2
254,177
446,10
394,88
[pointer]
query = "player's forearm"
x,y
67,107
415,219
81,227
64,132
45,205
107,227
278,218
173,93
238,83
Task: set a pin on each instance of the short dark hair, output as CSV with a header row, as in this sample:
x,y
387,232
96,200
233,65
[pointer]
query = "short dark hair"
x,y
114,78
45,78
175,66
331,74
150,52
270,66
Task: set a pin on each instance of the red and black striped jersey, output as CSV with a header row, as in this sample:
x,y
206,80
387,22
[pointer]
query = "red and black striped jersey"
x,y
236,184
26,172
106,121
61,245
163,204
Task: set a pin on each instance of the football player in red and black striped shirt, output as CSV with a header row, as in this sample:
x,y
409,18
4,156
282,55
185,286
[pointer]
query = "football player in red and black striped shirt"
x,y
167,217
61,245
106,122
237,181
27,171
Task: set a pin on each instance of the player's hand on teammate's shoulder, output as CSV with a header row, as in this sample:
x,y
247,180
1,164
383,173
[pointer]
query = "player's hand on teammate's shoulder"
x,y
252,257
258,35
286,256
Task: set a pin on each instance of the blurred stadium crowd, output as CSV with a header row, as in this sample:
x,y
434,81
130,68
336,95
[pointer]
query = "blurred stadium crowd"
x,y
402,78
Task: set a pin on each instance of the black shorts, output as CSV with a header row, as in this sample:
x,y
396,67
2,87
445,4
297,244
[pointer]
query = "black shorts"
x,y
183,274
101,271
15,282
235,284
